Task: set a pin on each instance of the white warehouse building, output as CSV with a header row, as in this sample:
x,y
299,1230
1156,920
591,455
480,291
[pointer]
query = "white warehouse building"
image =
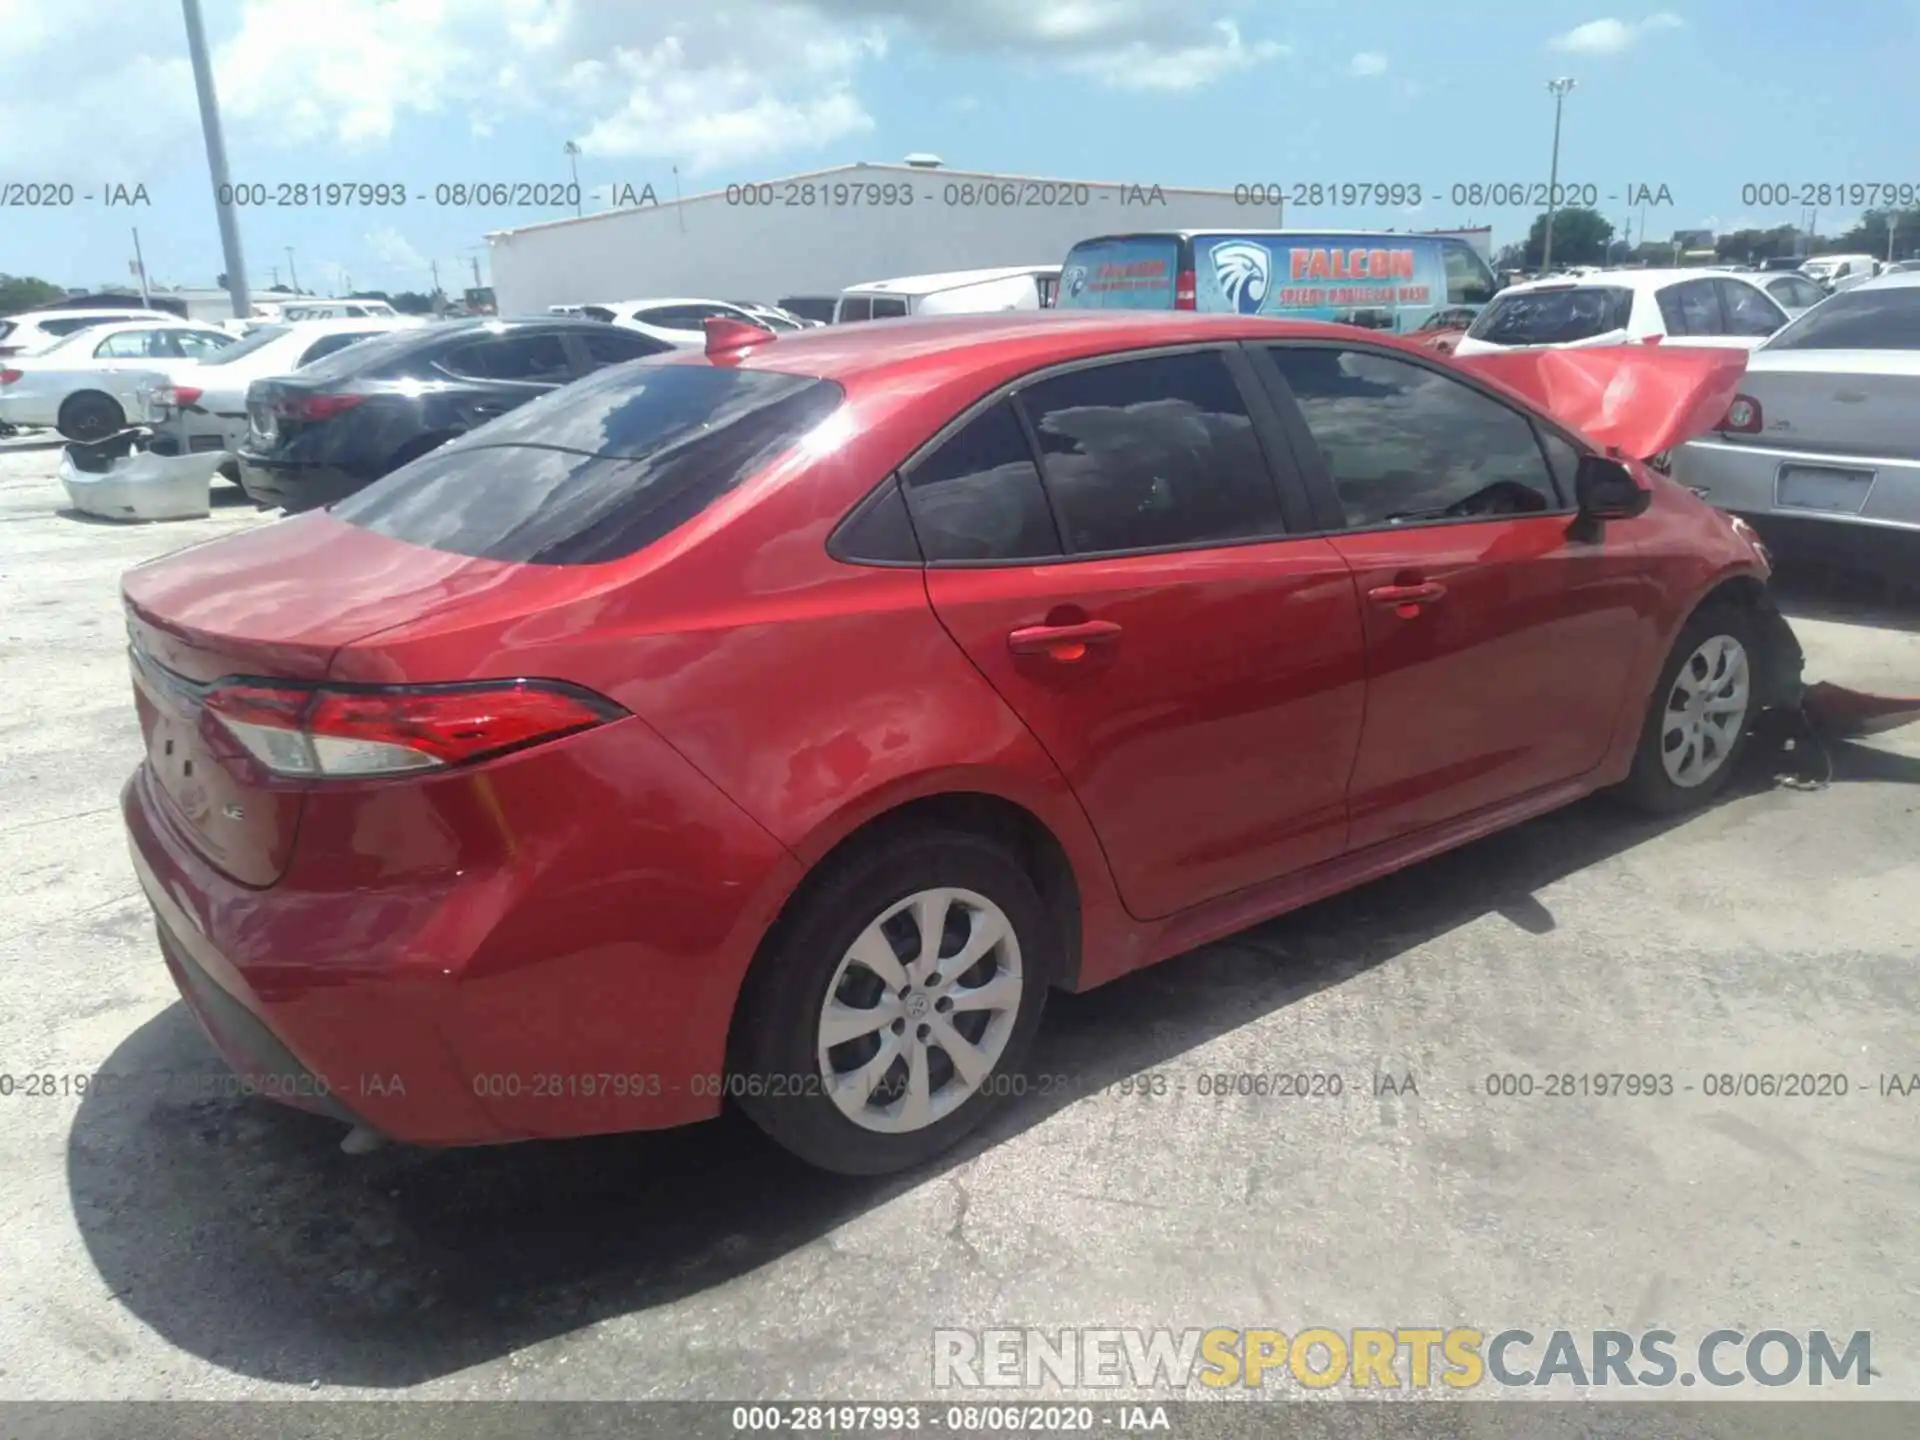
x,y
817,233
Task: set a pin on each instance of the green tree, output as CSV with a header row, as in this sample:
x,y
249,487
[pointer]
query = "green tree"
x,y
371,295
1512,256
1580,237
23,292
411,302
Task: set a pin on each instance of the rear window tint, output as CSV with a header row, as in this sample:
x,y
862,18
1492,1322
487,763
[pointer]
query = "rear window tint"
x,y
1129,273
598,469
1857,320
368,355
1553,317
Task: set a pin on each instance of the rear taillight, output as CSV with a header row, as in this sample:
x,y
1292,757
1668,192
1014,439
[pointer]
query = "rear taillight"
x,y
1185,296
7,377
314,407
1743,416
179,396
321,732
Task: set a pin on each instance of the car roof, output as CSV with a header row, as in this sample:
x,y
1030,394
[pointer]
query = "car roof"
x,y
1627,279
130,313
334,324
946,280
1897,280
942,347
1292,233
669,300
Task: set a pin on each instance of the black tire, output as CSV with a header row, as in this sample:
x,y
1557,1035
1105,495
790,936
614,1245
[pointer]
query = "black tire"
x,y
1649,786
775,1068
91,416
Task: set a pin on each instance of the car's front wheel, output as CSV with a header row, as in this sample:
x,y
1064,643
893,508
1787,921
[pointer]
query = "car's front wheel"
x,y
896,1006
1697,721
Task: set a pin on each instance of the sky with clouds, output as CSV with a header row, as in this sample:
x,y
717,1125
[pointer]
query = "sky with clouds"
x,y
1703,98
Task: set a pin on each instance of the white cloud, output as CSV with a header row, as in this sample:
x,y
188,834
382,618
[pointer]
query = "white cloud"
x,y
705,82
394,250
1610,36
1367,63
1141,66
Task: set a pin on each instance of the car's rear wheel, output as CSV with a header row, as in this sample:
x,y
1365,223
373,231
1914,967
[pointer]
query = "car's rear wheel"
x,y
894,1009
1697,721
91,416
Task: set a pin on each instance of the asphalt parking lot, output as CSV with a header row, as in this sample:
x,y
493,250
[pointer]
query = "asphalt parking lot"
x,y
159,1242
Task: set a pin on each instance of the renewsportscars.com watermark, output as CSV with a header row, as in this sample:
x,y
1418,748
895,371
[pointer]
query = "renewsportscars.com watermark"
x,y
1403,1358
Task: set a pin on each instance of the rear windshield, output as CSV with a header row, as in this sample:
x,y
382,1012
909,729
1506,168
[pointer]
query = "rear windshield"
x,y
1130,272
379,350
1857,320
1553,317
258,340
598,469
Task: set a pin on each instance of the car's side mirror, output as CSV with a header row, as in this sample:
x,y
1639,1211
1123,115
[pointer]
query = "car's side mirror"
x,y
1606,490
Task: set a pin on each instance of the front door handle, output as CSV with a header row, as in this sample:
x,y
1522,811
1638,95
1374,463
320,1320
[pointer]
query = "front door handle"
x,y
1062,642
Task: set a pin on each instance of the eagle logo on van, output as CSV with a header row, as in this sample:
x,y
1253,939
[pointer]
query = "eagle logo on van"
x,y
1075,279
1242,270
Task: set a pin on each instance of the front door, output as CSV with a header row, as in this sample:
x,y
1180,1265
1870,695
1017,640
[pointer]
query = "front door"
x,y
1500,634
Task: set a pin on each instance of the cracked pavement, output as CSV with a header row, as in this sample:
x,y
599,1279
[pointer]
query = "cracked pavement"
x,y
163,1242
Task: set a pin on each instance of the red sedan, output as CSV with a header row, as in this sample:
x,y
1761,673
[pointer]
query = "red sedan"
x,y
783,722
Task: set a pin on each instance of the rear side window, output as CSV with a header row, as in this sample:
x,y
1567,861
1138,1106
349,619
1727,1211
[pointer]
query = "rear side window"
x,y
888,307
1130,272
856,307
537,359
398,351
1553,317
1145,454
615,347
1692,308
596,470
1796,291
1859,319
978,496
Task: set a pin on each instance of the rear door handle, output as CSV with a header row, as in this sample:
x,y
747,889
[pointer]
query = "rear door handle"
x,y
1062,642
1423,593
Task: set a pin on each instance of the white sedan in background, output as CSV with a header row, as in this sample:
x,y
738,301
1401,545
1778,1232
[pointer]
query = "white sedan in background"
x,y
1624,307
33,331
677,322
205,411
100,380
1822,445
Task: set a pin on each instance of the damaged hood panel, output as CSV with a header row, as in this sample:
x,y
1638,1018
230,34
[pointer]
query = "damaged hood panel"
x,y
1635,400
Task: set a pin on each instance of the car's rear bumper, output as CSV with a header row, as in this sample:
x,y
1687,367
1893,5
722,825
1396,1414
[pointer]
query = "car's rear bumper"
x,y
141,485
295,487
547,945
1745,479
26,411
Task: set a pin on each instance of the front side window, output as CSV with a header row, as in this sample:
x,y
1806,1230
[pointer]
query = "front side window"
x,y
856,307
1748,310
1793,290
200,344
328,344
1404,444
1469,281
1145,454
978,496
888,307
616,347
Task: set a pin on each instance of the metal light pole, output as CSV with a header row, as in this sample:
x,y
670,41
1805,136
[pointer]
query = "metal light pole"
x,y
1558,89
293,275
573,159
217,161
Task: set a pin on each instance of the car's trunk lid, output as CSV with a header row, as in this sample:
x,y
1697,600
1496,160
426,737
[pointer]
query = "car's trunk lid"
x,y
269,425
1839,402
274,603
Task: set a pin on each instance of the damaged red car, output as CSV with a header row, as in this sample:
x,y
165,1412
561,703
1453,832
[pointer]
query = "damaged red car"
x,y
779,724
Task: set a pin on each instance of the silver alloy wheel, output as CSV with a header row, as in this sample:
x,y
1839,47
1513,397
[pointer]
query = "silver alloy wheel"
x,y
920,1010
1705,712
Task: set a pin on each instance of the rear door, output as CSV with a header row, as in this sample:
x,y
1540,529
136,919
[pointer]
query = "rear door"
x,y
1499,641
1109,546
1699,312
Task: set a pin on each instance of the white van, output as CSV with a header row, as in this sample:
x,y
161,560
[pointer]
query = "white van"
x,y
304,308
1841,272
957,292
